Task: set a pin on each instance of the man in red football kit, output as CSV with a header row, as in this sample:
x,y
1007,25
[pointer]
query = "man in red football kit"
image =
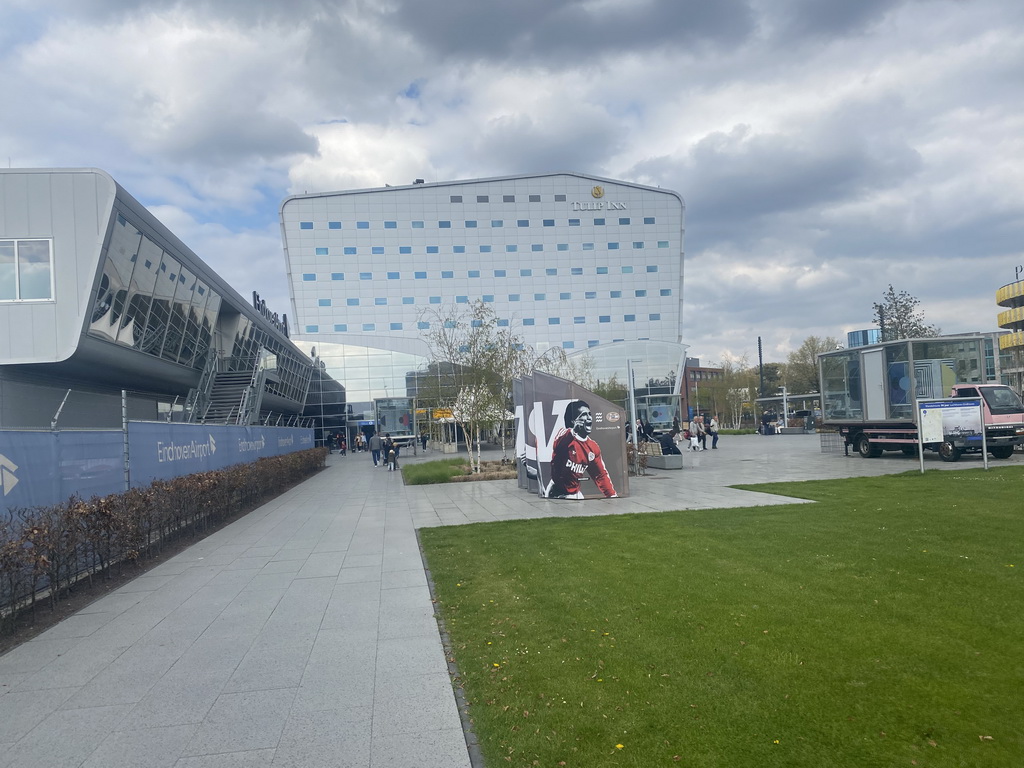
x,y
575,455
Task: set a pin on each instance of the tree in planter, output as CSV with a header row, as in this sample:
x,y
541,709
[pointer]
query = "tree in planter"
x,y
898,317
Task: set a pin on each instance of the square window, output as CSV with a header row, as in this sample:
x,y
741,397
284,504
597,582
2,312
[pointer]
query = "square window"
x,y
431,249
602,270
334,225
362,225
525,272
393,276
648,219
369,327
380,301
420,275
312,328
508,198
598,222
528,321
576,271
652,267
458,249
654,316
417,225
537,247
627,270
390,225
483,199
305,225
455,198
321,252
447,274
423,325
574,222
640,293
408,300
352,302
444,224
565,296
513,297
559,198
435,299
337,275
404,249
624,220
522,222
470,225
497,223
549,222
511,248
554,321
499,273
666,291
462,299
366,275
590,295
323,302
350,250
562,247
579,320
629,318
308,277
341,327
396,326
485,249
604,319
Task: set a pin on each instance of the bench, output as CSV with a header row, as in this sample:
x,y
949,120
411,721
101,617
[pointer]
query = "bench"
x,y
657,460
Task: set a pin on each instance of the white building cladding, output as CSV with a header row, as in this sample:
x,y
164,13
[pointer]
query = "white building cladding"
x,y
568,260
96,295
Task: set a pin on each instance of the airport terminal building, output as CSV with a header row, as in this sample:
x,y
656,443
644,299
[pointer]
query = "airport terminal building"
x,y
564,259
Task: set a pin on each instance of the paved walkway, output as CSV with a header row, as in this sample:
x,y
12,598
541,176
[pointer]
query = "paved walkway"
x,y
304,634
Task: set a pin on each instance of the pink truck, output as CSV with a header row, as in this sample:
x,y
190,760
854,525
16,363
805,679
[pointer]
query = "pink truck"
x,y
870,395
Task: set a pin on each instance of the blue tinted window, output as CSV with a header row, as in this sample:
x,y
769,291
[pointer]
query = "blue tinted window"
x,y
308,277
511,248
462,299
485,249
447,274
369,327
423,325
473,273
639,293
654,316
574,222
593,343
435,299
321,252
502,322
497,223
666,291
377,250
458,249
396,326
417,225
568,344
576,271
323,302
554,321
551,271
352,302
420,275
579,319
627,270
562,247
393,276
483,198
523,223
590,295
312,328
629,318
624,220
638,244
350,250
588,246
604,319
615,294
475,323
366,275
341,327
408,300
602,270
404,249
334,225
663,243
499,273
488,298
444,224
652,267
613,246
380,301
390,225
565,296
513,297
305,225
598,222
431,249
455,198
525,272
470,225
549,222
337,275
539,297
528,321
537,247
648,219
362,225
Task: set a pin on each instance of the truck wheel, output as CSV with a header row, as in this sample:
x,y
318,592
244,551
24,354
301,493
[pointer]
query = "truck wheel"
x,y
866,449
948,451
1002,451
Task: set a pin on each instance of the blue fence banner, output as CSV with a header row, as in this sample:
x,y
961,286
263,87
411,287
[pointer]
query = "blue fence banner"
x,y
46,468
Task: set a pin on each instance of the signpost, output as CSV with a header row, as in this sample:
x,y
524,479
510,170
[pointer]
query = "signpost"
x,y
960,421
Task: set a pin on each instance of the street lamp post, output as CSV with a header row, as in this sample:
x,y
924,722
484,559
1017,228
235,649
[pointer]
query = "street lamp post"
x,y
632,417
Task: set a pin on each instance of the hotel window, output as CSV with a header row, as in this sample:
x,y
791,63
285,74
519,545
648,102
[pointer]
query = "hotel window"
x,y
420,275
334,225
534,198
483,199
458,249
470,225
554,321
508,198
473,273
654,316
417,225
565,296
323,302
321,252
488,298
377,250
432,249
308,277
562,247
525,272
648,219
352,302
396,326
602,270
528,321
604,319
574,222
663,243
366,275
666,291
588,246
590,295
513,297
511,248
305,225
393,276
497,223
624,220
627,270
640,293
485,249
455,199
652,267
423,325
362,225
523,223
613,246
615,294
337,275
598,222
568,344
26,270
350,250
638,244
312,329
559,198
462,299
629,318
537,247
593,343
549,222
390,225
503,322
539,297
435,299
551,271
380,301
499,273
576,271
408,300
404,249
447,274
341,327
444,224
579,320
476,323
369,326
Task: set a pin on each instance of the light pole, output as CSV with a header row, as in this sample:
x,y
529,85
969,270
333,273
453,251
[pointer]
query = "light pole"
x,y
632,417
785,407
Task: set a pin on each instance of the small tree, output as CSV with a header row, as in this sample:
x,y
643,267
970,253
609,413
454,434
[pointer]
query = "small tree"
x,y
802,365
898,317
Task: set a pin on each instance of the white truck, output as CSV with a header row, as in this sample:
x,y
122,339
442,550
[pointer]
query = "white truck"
x,y
870,395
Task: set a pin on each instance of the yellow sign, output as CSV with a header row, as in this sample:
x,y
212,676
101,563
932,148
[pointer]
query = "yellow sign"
x,y
442,413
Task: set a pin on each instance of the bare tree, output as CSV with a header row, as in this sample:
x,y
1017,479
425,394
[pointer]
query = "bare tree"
x,y
898,317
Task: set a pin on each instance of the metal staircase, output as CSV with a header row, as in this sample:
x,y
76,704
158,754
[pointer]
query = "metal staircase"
x,y
225,401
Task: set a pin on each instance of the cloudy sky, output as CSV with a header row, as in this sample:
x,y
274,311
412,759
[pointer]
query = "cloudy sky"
x,y
825,148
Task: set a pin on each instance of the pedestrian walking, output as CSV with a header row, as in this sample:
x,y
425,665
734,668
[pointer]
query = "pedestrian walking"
x,y
713,429
375,444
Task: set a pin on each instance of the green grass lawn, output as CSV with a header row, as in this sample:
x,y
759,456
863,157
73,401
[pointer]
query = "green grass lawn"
x,y
879,627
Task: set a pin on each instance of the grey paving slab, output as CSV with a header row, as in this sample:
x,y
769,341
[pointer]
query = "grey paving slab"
x,y
304,633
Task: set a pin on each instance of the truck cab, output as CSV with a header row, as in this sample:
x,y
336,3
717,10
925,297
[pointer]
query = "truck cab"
x,y
1003,414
